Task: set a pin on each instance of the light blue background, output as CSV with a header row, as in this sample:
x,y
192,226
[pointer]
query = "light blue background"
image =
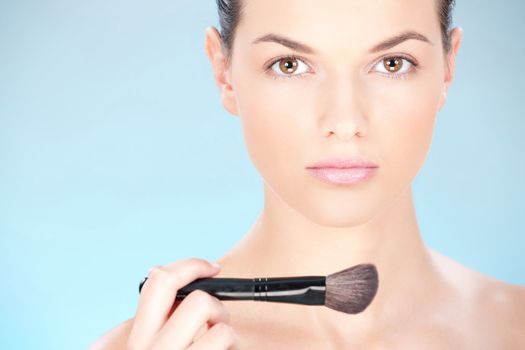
x,y
105,104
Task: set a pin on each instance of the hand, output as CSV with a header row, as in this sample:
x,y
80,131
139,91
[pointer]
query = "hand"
x,y
199,322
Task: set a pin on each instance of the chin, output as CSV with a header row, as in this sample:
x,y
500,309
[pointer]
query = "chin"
x,y
338,215
337,208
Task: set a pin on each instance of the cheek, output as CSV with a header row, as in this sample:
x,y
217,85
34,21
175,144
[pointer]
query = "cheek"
x,y
403,125
275,130
403,119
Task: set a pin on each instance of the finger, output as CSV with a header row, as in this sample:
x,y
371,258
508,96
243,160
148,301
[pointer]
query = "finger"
x,y
196,310
204,328
158,296
221,336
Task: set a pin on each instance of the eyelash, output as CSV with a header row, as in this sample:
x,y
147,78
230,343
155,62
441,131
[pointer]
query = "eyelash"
x,y
415,66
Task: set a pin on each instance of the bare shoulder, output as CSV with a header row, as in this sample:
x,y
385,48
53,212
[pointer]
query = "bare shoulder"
x,y
503,305
493,311
115,338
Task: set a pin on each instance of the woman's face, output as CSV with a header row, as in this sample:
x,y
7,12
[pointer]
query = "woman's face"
x,y
340,100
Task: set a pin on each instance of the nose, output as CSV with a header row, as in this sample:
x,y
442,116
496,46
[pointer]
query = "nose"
x,y
343,113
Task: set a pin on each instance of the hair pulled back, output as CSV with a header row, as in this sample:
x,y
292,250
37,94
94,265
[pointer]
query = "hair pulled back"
x,y
230,12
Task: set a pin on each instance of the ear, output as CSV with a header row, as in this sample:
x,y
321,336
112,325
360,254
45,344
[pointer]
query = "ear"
x,y
455,40
221,71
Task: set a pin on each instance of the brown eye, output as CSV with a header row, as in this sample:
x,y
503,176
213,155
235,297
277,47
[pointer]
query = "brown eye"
x,y
393,64
288,65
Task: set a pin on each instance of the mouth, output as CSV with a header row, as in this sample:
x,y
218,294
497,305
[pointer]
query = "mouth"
x,y
345,176
344,163
343,171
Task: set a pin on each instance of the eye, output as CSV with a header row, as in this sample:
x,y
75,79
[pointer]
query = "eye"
x,y
284,67
396,66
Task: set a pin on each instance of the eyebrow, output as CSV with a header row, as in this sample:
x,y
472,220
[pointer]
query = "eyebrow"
x,y
383,45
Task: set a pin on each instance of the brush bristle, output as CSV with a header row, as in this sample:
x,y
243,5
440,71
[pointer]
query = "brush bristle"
x,y
351,290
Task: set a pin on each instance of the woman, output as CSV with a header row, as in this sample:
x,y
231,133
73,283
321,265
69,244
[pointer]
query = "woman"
x,y
311,81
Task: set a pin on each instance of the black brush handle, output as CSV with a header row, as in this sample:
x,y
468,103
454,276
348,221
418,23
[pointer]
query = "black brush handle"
x,y
306,290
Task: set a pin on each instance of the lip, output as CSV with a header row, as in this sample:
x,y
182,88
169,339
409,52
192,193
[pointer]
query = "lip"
x,y
343,171
342,163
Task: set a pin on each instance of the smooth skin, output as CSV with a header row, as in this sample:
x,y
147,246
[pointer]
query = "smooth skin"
x,y
345,103
199,322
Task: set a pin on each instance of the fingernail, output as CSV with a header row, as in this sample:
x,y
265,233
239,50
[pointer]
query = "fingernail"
x,y
216,265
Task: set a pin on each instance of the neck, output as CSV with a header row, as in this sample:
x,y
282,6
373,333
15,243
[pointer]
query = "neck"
x,y
282,242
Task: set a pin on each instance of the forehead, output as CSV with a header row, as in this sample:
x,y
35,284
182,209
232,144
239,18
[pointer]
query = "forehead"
x,y
327,24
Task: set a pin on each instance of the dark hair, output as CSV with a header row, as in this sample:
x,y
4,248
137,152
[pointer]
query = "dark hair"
x,y
445,19
230,13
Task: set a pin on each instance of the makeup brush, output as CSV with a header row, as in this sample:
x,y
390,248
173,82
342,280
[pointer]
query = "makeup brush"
x,y
350,290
